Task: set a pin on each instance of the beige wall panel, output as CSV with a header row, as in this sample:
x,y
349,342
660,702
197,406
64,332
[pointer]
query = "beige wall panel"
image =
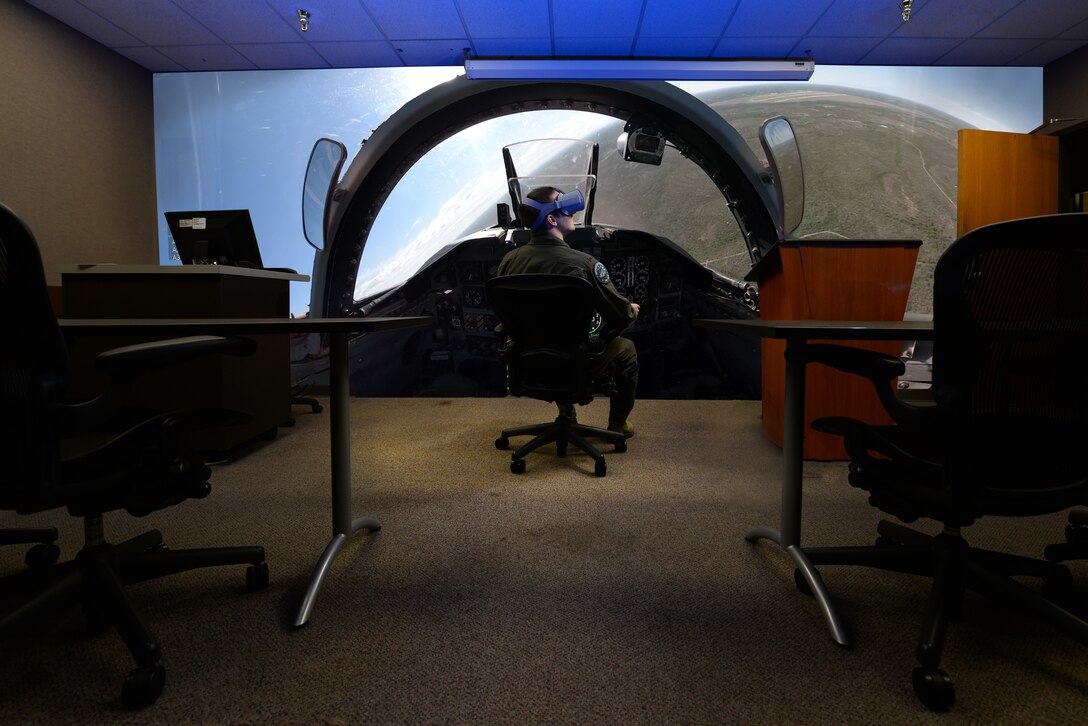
x,y
77,152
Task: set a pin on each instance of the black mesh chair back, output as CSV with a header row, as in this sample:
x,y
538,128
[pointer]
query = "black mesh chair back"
x,y
547,319
1010,318
33,360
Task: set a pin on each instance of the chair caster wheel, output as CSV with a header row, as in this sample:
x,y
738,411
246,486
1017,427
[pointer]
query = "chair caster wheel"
x,y
620,448
257,577
41,555
316,408
517,466
502,443
933,688
600,468
561,449
143,686
801,583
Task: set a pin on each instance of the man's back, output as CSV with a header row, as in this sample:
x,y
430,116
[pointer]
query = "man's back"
x,y
546,254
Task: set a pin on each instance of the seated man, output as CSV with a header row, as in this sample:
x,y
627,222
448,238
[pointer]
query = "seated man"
x,y
549,214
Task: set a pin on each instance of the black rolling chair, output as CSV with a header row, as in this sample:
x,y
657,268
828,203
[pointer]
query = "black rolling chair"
x,y
85,457
548,354
1004,435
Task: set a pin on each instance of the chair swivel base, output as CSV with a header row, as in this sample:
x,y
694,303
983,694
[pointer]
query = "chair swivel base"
x,y
955,567
561,431
95,580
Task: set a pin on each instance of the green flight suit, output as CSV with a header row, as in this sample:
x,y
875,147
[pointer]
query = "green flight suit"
x,y
548,254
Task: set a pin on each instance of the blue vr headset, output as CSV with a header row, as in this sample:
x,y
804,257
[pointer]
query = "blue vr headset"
x,y
566,204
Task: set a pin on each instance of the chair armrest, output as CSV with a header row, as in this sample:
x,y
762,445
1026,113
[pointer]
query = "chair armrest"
x,y
879,368
128,363
133,360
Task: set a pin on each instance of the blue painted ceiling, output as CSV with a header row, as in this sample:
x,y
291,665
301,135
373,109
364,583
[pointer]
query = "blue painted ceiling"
x,y
215,35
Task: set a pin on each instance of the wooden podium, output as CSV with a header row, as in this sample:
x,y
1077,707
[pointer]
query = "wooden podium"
x,y
259,385
830,280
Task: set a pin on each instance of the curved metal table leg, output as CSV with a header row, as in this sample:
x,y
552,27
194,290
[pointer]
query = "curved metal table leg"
x,y
325,562
820,594
343,527
788,537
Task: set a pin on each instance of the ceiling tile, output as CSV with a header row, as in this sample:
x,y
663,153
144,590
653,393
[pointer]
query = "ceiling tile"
x,y
155,22
432,52
834,51
978,51
755,47
669,19
1079,32
329,21
90,24
775,17
278,56
242,21
1047,52
364,54
1038,19
502,19
953,18
208,58
591,46
859,18
598,19
686,47
151,59
917,51
407,20
512,46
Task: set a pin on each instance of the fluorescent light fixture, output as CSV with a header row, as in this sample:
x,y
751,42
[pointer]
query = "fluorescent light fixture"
x,y
639,69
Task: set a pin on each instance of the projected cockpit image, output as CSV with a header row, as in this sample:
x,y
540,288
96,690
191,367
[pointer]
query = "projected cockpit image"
x,y
414,210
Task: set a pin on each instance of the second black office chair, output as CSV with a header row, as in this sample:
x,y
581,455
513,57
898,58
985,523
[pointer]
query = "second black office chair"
x,y
1005,435
548,353
56,454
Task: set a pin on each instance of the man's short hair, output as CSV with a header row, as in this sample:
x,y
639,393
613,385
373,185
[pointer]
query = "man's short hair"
x,y
526,213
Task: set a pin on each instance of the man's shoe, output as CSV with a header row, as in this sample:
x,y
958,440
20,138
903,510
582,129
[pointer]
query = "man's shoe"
x,y
626,428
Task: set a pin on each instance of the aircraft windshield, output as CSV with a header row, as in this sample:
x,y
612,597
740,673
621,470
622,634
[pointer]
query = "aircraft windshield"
x,y
566,164
675,200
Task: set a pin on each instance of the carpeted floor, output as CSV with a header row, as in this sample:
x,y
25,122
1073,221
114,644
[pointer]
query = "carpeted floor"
x,y
550,597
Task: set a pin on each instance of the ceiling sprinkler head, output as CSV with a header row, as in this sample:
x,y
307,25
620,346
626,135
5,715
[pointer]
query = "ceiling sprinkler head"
x,y
304,18
905,6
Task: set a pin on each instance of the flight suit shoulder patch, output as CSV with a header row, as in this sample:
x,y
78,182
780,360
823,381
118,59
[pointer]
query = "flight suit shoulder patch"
x,y
601,273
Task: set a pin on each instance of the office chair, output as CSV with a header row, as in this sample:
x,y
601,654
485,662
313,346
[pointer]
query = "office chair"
x,y
1004,434
548,355
1075,546
44,552
88,458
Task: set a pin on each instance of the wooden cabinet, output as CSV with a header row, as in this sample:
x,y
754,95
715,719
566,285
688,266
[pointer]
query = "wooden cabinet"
x,y
259,385
830,280
1004,176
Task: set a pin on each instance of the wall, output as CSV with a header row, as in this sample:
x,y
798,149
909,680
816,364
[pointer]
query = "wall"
x,y
1065,86
77,154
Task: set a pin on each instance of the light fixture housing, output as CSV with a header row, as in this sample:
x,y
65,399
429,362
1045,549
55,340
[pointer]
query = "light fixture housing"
x,y
638,69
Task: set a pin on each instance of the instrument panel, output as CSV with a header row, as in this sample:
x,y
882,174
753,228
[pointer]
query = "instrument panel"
x,y
458,355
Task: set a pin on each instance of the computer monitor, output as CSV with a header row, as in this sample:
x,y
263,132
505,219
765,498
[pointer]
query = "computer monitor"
x,y
215,237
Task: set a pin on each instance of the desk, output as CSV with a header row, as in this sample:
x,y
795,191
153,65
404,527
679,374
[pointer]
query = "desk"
x,y
797,333
259,385
338,329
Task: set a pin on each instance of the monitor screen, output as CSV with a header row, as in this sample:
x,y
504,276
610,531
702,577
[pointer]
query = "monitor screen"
x,y
215,237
